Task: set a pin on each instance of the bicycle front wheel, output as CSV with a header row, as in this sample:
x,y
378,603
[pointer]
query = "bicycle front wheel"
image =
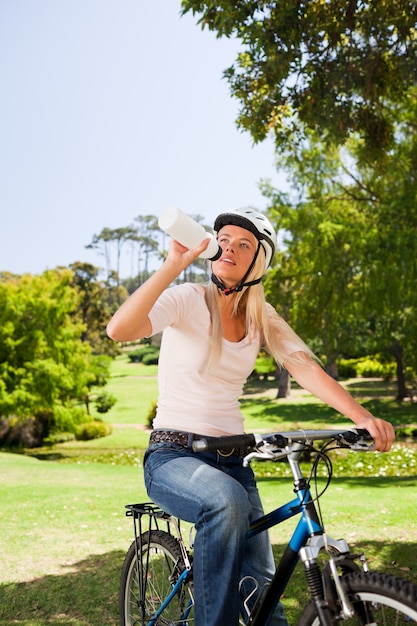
x,y
161,564
378,600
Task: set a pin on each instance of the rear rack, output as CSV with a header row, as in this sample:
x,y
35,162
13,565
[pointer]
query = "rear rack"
x,y
146,508
148,516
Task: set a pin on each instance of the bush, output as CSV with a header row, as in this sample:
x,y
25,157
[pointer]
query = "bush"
x,y
347,368
151,414
58,437
406,432
138,355
373,368
410,375
367,367
66,419
104,402
265,365
151,358
92,430
32,432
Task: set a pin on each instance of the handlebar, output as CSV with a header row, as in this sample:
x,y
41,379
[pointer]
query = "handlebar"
x,y
354,438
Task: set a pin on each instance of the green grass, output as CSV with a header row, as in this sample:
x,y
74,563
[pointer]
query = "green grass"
x,y
136,387
64,531
64,535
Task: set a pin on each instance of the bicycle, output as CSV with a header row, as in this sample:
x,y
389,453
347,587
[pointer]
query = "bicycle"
x,y
157,575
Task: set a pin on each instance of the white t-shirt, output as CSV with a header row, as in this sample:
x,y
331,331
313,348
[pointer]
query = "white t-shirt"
x,y
190,398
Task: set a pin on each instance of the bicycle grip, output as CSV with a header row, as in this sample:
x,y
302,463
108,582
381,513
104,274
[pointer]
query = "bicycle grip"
x,y
211,444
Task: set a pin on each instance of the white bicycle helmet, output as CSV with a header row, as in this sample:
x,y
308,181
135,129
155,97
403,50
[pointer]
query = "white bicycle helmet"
x,y
256,223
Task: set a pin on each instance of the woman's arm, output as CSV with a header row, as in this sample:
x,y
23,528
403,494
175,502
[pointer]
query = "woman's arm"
x,y
314,379
131,320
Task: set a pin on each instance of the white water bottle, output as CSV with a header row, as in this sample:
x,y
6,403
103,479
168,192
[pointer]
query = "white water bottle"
x,y
188,232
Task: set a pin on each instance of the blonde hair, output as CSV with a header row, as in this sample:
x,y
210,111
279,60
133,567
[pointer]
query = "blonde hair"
x,y
277,337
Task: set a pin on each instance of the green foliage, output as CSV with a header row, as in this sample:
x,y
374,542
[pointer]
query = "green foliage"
x,y
346,273
372,368
44,427
402,461
347,368
151,414
145,354
367,367
326,66
151,358
43,362
409,433
58,437
66,419
105,401
265,365
97,301
99,369
46,368
322,76
92,430
411,375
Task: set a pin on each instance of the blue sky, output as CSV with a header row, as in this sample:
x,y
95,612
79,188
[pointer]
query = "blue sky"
x,y
110,110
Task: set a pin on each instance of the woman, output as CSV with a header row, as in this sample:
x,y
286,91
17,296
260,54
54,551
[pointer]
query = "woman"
x,y
212,336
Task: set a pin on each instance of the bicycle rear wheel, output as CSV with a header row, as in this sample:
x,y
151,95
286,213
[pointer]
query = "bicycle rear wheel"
x,y
161,564
378,600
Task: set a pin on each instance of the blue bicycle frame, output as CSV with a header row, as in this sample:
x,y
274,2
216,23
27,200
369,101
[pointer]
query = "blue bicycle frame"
x,y
308,525
168,599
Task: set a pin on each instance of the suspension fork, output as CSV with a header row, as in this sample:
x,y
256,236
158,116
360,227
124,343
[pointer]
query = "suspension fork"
x,y
339,554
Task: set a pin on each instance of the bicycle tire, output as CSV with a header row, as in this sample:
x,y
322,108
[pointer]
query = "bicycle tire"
x,y
377,598
161,571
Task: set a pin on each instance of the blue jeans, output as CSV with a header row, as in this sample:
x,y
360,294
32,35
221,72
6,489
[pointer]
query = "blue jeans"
x,y
219,496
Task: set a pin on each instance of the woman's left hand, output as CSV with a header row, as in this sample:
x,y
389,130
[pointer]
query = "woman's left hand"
x,y
381,431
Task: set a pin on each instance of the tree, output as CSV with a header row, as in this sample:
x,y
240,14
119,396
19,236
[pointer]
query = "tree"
x,y
106,240
315,278
318,65
44,365
348,270
147,243
390,275
97,302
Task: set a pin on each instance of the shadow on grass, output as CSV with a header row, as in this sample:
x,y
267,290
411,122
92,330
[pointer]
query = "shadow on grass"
x,y
360,387
88,596
368,388
305,413
274,410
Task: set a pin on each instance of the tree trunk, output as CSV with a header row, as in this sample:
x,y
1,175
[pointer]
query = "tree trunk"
x,y
332,368
401,382
284,384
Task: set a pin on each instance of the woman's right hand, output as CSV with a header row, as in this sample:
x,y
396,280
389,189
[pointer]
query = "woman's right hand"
x,y
180,256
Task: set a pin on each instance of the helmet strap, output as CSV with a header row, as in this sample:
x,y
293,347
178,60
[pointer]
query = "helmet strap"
x,y
228,290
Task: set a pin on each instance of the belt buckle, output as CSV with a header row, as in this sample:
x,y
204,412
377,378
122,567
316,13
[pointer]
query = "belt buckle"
x,y
226,453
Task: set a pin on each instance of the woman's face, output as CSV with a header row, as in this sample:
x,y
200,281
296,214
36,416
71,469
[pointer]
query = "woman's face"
x,y
238,249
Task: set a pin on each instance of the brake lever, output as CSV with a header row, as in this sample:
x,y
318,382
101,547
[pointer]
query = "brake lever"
x,y
266,453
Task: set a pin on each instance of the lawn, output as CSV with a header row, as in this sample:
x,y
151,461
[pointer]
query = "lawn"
x,y
64,532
